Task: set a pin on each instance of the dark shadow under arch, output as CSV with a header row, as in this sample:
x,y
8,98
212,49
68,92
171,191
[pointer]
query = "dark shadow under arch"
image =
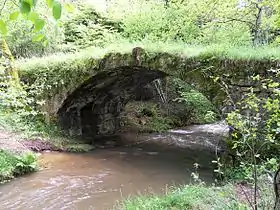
x,y
94,107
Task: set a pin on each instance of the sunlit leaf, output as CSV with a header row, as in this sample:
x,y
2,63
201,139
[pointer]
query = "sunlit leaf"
x,y
45,43
56,9
33,16
38,37
32,3
49,3
39,25
3,28
69,7
25,7
14,15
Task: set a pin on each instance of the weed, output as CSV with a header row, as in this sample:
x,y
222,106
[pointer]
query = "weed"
x,y
13,165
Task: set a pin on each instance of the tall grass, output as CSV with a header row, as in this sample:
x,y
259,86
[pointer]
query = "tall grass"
x,y
188,197
12,165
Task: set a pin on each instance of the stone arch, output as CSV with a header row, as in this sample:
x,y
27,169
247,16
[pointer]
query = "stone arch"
x,y
94,107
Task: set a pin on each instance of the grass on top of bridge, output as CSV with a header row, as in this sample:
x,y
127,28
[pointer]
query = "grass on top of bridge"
x,y
188,51
60,70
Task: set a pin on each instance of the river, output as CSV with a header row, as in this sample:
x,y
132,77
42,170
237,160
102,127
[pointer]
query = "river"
x,y
103,177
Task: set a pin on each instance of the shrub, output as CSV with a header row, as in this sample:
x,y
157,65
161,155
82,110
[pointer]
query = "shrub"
x,y
88,28
198,107
189,22
12,165
20,36
188,197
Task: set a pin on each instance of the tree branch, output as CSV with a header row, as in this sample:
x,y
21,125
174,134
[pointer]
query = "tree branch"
x,y
3,6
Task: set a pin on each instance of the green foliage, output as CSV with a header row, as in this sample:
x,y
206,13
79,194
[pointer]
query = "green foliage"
x,y
244,171
159,23
255,139
12,165
20,101
188,197
256,121
88,28
150,117
26,9
199,22
198,108
32,34
78,147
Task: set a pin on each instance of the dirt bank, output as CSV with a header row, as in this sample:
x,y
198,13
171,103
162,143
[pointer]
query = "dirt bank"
x,y
12,143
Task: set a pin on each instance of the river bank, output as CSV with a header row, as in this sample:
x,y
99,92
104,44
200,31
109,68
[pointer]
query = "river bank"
x,y
125,177
18,153
148,171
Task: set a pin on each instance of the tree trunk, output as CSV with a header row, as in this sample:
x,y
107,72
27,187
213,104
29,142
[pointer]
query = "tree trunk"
x,y
257,32
277,189
9,63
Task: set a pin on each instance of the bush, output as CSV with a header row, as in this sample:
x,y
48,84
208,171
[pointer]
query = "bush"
x,y
256,120
198,108
188,197
148,116
20,34
12,165
189,22
88,28
159,23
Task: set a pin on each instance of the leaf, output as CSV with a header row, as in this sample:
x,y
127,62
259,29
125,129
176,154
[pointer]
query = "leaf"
x,y
33,16
38,37
3,28
69,7
39,25
45,43
14,15
56,9
49,3
32,3
25,7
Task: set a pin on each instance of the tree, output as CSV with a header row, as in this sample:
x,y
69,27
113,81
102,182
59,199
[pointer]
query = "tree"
x,y
26,9
260,17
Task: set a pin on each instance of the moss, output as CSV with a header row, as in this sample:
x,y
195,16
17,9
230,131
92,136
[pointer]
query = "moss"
x,y
69,70
149,117
58,75
78,147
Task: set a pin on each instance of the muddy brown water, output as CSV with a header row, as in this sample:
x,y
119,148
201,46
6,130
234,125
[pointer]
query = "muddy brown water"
x,y
103,177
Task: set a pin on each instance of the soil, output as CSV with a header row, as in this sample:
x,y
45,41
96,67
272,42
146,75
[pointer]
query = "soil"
x,y
13,143
10,142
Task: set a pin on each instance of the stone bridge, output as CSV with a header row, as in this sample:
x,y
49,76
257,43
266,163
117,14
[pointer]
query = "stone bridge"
x,y
91,96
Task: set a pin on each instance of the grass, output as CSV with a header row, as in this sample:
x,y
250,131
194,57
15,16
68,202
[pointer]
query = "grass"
x,y
188,197
200,196
13,165
59,73
188,51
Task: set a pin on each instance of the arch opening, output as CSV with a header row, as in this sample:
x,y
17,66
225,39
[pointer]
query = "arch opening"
x,y
93,109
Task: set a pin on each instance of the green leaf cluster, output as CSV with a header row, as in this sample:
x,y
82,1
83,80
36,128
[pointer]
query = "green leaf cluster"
x,y
13,165
256,121
27,9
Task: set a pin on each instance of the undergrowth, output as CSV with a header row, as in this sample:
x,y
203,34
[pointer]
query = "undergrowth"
x,y
12,165
199,109
188,197
147,116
